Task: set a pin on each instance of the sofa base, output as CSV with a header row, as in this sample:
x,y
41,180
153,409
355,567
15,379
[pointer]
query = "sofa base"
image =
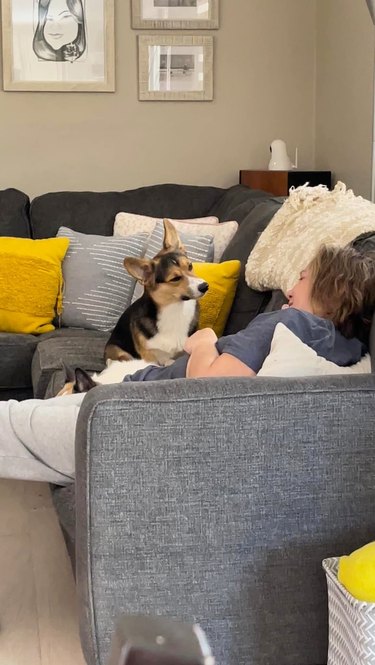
x,y
16,393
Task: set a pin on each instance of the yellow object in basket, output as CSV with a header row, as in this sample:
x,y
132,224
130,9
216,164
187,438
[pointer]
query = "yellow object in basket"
x,y
357,573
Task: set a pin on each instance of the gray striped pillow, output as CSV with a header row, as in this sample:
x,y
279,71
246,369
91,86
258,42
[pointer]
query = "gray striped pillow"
x,y
199,249
97,288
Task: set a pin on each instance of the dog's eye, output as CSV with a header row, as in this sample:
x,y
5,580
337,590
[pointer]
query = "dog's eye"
x,y
190,266
175,279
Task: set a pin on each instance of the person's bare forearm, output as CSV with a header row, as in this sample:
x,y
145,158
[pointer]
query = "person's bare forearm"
x,y
205,360
204,363
201,359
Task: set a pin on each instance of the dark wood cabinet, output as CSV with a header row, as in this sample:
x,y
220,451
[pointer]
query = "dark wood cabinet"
x,y
279,182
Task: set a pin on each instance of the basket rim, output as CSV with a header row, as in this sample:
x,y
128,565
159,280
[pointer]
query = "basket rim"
x,y
330,566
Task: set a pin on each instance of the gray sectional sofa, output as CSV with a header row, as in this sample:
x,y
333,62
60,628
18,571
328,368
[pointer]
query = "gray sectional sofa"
x,y
209,500
31,365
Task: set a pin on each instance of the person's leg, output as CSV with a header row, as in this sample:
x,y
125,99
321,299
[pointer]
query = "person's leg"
x,y
37,439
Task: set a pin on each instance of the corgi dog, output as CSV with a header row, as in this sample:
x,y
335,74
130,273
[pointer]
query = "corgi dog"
x,y
156,326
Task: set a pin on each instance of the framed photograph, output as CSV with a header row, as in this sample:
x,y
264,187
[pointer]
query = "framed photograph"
x,y
175,68
58,45
175,14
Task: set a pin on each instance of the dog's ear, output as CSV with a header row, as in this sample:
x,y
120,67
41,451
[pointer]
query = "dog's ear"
x,y
69,372
82,381
141,269
171,242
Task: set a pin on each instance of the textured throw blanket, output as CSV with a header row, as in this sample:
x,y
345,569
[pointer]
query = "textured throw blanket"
x,y
309,218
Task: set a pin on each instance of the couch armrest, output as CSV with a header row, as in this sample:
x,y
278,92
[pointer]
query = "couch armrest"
x,y
216,500
75,346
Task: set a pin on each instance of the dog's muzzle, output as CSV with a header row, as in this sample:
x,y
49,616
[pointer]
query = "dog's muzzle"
x,y
203,287
197,288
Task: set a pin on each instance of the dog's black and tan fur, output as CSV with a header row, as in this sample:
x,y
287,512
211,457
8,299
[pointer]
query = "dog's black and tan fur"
x,y
168,280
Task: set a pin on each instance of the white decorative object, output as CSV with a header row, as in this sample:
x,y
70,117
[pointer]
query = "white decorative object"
x,y
280,160
351,623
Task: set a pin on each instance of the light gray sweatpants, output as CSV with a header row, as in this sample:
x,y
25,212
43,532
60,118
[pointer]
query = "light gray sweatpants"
x,y
37,438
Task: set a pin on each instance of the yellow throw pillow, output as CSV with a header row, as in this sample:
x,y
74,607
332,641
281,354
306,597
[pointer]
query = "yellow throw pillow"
x,y
30,283
216,304
357,573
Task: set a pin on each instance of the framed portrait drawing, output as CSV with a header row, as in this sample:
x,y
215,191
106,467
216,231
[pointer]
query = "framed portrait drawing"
x,y
58,45
175,68
175,14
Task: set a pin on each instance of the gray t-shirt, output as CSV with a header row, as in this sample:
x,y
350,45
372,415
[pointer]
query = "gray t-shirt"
x,y
252,345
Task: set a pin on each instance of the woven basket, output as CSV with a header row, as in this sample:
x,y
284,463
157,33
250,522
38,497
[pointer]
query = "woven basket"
x,y
351,623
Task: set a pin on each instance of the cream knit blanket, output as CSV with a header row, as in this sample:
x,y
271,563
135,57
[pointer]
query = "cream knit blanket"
x,y
309,218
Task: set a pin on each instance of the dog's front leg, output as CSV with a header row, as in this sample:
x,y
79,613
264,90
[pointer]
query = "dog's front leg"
x,y
157,356
152,354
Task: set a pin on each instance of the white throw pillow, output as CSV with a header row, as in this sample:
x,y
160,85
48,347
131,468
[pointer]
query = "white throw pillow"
x,y
127,223
309,218
289,356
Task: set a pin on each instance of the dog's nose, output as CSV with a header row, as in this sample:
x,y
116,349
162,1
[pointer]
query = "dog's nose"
x,y
203,287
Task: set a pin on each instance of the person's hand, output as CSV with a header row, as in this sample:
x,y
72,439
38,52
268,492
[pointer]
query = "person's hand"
x,y
206,335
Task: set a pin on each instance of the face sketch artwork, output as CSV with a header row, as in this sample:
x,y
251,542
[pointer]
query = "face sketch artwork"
x,y
60,35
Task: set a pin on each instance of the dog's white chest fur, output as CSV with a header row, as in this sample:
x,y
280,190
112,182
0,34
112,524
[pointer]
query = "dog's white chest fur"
x,y
173,324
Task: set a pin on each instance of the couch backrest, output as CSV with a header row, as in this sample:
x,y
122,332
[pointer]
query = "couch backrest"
x,y
94,212
253,210
14,214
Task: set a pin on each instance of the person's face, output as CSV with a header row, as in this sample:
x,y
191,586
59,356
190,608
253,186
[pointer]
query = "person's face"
x,y
61,26
300,295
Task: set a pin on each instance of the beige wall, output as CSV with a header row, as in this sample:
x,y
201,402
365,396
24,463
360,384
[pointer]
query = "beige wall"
x,y
263,87
344,93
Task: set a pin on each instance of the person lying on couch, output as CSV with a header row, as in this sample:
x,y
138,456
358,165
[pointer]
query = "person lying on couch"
x,y
324,310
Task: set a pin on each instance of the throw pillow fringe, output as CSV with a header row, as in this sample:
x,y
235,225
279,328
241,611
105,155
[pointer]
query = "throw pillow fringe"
x,y
305,197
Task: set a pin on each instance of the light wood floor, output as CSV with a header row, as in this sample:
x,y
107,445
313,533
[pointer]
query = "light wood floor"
x,y
38,617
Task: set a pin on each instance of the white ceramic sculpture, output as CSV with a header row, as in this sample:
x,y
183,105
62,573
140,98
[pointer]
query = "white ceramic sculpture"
x,y
280,160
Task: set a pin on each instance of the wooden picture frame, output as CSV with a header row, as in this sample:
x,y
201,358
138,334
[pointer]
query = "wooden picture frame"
x,y
175,68
175,14
47,47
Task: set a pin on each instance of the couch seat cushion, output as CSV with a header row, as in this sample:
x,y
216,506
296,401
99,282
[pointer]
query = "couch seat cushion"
x,y
74,346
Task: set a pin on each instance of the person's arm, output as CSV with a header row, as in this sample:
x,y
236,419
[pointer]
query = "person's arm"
x,y
205,360
224,365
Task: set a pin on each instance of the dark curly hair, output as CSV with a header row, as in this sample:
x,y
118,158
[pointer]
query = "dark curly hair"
x,y
343,288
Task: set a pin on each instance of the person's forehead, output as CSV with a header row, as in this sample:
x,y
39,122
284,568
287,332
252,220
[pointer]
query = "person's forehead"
x,y
57,6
